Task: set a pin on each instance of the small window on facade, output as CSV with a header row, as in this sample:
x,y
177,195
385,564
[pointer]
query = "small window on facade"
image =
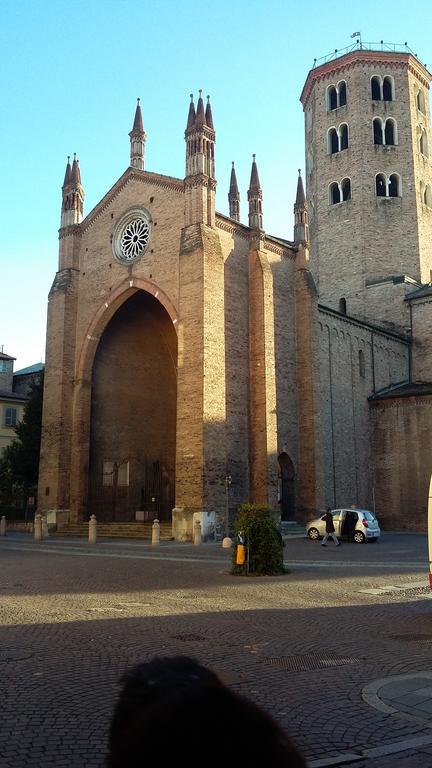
x,y
423,143
333,141
390,132
343,133
334,193
342,306
4,366
376,89
362,367
380,185
377,130
387,89
346,189
342,93
427,197
421,102
331,98
10,417
394,186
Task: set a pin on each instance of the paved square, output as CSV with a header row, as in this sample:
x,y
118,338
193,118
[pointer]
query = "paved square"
x,y
303,646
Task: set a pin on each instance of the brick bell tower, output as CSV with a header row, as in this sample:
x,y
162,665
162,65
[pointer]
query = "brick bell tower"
x,y
55,457
369,181
201,409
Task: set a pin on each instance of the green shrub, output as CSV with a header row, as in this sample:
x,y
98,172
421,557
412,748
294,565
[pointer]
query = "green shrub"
x,y
264,550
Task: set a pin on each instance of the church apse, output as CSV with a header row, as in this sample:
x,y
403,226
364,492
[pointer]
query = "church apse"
x,y
133,414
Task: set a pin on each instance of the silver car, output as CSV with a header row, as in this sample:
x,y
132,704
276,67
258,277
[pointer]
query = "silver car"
x,y
356,524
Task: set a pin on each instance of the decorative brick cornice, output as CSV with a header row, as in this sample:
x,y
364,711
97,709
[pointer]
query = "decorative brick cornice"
x,y
131,174
231,226
363,57
280,249
74,230
266,242
376,330
199,180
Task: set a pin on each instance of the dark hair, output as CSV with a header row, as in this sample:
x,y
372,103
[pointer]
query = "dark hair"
x,y
174,709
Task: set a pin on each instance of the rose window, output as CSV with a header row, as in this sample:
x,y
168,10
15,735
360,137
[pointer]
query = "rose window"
x,y
134,239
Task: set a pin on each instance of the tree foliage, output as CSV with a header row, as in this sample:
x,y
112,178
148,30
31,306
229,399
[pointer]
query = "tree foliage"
x,y
256,525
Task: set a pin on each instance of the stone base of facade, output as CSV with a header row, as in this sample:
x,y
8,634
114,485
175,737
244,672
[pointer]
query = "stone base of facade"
x,y
183,520
58,518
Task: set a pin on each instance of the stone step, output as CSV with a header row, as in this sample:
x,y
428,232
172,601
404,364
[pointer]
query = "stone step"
x,y
288,528
115,531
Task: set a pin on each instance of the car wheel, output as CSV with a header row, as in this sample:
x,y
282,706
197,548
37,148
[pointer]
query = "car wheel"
x,y
313,534
359,537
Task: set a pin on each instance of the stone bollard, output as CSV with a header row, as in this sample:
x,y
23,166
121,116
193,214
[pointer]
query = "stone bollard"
x,y
226,543
38,528
92,534
155,532
3,526
197,538
45,532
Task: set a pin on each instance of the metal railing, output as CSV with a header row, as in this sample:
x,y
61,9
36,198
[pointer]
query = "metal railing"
x,y
359,45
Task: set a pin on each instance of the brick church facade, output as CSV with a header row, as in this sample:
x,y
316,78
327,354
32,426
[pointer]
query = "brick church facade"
x,y
194,362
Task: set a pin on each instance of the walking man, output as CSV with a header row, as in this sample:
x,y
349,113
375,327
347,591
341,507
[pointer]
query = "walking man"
x,y
330,529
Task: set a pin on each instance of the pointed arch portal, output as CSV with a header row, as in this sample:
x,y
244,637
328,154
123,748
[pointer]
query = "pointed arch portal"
x,y
287,487
133,414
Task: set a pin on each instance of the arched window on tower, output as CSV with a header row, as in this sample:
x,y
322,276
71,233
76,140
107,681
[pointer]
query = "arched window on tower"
x,y
346,189
342,93
334,193
421,102
387,89
377,130
343,136
427,196
376,88
394,185
362,366
331,98
423,143
342,306
380,185
332,141
390,132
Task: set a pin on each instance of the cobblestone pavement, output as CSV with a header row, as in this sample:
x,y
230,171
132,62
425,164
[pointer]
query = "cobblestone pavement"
x,y
304,646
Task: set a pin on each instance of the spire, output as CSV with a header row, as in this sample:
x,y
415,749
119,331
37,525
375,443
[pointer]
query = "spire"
x,y
234,196
73,195
300,197
192,114
137,140
200,117
138,122
200,183
208,114
254,184
301,228
255,198
75,177
68,172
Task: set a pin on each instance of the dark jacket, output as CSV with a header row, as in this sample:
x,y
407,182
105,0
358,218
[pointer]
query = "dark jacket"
x,y
328,517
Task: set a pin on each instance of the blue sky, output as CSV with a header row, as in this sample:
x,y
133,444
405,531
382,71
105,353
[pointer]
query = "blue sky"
x,y
72,72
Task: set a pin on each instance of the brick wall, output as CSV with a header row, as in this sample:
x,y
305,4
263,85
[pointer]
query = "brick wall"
x,y
402,450
346,383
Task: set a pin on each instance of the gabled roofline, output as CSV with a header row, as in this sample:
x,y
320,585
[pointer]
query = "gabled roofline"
x,y
130,174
